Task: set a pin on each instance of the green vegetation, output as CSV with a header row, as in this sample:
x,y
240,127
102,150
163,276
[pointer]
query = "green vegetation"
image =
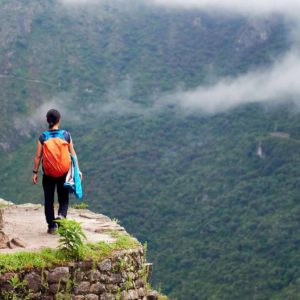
x,y
49,257
17,286
162,297
81,205
71,238
26,260
221,222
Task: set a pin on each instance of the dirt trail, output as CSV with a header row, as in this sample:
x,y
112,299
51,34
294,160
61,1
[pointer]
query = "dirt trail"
x,y
27,223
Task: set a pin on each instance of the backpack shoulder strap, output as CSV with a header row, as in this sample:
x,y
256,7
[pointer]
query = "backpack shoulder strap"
x,y
54,134
46,135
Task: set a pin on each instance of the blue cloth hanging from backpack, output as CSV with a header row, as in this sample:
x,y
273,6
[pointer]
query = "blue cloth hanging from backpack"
x,y
73,182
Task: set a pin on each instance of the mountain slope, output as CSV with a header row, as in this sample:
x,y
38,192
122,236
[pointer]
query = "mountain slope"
x,y
220,221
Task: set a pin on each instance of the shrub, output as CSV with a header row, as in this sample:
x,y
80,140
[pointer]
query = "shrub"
x,y
81,205
71,238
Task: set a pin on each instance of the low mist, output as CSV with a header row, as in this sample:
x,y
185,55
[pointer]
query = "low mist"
x,y
276,84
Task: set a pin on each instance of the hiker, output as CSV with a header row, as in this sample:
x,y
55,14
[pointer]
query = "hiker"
x,y
54,148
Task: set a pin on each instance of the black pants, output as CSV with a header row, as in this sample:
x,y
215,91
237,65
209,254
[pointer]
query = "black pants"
x,y
49,184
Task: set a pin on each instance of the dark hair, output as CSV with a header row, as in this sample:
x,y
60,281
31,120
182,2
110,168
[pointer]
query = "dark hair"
x,y
53,117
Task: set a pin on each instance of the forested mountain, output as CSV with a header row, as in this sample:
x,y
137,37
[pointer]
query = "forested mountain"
x,y
216,196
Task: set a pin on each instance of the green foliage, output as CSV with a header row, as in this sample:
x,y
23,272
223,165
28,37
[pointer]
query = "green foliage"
x,y
162,297
81,205
118,294
103,249
16,287
15,282
71,238
46,258
220,222
27,260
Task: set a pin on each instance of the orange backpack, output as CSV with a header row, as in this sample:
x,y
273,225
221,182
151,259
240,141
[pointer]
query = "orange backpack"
x,y
56,155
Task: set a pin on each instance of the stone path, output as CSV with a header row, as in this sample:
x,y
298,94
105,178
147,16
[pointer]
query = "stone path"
x,y
25,227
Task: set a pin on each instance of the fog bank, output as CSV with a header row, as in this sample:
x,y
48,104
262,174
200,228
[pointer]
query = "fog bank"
x,y
278,83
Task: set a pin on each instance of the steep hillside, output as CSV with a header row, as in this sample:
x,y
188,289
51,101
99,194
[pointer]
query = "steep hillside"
x,y
218,217
99,53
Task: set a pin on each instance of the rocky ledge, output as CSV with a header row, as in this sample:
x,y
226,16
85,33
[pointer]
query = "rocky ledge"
x,y
120,275
24,227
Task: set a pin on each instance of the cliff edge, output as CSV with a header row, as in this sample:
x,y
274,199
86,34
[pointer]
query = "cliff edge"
x,y
23,227
113,266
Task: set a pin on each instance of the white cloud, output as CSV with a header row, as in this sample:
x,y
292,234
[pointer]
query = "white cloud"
x,y
37,120
279,83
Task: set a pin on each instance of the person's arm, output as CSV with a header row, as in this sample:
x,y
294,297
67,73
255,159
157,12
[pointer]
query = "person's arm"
x,y
37,161
72,151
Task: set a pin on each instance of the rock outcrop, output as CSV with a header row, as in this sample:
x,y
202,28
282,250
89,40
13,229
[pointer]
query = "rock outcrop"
x,y
122,274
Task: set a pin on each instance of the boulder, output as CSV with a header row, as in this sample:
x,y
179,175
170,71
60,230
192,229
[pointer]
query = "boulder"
x,y
34,282
58,275
152,295
105,265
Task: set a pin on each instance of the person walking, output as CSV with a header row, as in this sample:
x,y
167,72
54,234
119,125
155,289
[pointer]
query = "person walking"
x,y
53,149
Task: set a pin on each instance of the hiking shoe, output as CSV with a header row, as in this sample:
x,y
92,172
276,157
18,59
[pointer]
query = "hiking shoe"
x,y
52,230
60,217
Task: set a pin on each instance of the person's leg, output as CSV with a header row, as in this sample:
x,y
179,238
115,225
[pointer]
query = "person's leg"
x,y
63,197
49,188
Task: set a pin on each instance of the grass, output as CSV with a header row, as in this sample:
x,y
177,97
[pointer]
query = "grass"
x,y
3,205
99,250
27,260
47,257
81,205
162,297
